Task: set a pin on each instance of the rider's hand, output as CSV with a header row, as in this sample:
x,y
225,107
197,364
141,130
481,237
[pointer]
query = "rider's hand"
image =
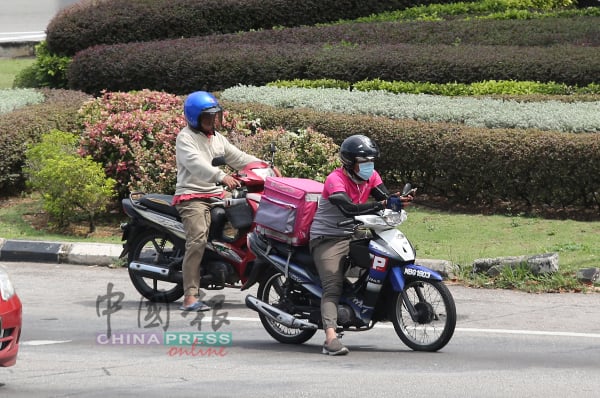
x,y
230,182
406,199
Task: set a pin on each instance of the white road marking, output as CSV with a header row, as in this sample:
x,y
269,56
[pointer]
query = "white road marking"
x,y
386,326
470,330
43,342
530,332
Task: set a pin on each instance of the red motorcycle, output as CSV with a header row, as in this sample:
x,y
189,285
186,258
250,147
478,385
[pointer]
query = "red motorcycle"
x,y
155,239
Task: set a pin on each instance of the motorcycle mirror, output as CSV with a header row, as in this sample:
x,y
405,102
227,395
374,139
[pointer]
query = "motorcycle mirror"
x,y
219,161
272,149
406,189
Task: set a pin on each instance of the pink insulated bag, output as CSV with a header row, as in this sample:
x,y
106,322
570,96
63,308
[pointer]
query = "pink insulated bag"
x,y
287,208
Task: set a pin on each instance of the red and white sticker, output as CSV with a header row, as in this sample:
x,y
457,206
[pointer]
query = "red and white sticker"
x,y
379,263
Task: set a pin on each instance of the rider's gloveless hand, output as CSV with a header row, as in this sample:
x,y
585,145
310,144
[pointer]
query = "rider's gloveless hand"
x,y
230,182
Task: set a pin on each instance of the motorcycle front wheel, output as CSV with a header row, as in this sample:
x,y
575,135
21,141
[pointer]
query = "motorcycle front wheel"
x,y
157,249
271,291
435,315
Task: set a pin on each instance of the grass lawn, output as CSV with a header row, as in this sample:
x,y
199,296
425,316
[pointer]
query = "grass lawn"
x,y
459,238
10,67
24,218
463,238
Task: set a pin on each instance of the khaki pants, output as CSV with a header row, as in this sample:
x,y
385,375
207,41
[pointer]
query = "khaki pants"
x,y
328,254
195,215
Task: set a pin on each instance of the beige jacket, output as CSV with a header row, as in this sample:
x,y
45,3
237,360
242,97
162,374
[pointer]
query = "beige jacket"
x,y
194,154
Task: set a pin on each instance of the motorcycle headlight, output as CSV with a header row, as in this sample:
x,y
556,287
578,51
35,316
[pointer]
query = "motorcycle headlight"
x,y
394,217
385,218
7,290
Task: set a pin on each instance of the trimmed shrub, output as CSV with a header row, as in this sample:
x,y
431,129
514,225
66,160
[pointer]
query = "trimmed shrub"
x,y
26,125
480,111
303,154
214,67
49,70
467,164
133,136
520,89
70,185
122,21
14,99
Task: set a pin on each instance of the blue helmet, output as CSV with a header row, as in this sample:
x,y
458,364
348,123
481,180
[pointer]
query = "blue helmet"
x,y
196,104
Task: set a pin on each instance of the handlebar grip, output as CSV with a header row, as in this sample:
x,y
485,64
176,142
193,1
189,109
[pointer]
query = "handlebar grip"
x,y
229,202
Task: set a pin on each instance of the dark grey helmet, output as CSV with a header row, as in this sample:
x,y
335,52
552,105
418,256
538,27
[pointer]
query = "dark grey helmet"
x,y
357,148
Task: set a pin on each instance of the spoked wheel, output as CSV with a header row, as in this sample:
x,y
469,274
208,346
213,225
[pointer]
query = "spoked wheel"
x,y
156,249
436,315
270,290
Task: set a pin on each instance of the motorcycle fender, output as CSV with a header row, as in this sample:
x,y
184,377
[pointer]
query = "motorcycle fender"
x,y
397,279
419,272
398,275
257,268
130,231
125,250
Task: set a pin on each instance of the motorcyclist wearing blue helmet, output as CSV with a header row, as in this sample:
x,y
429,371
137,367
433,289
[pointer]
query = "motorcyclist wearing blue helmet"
x,y
198,181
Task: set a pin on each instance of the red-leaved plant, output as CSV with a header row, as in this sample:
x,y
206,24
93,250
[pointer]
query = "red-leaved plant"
x,y
133,136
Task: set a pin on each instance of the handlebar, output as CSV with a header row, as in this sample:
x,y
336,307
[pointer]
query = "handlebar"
x,y
229,202
347,222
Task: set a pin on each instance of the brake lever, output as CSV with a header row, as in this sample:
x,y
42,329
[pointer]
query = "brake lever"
x,y
412,192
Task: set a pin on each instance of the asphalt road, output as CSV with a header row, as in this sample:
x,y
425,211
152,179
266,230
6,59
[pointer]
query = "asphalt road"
x,y
506,344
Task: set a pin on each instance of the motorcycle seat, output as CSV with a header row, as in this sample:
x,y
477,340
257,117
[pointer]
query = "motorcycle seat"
x,y
300,254
160,203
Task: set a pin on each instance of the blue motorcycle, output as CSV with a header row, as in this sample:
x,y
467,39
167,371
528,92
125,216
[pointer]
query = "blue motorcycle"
x,y
383,284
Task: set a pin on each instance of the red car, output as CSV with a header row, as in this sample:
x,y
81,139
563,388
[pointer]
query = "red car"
x,y
10,321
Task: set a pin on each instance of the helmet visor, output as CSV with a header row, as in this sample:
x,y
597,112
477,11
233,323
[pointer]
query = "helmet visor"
x,y
212,118
364,159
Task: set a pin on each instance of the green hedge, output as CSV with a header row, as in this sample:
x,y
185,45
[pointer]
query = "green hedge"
x,y
576,30
467,164
561,116
517,89
26,125
182,66
122,21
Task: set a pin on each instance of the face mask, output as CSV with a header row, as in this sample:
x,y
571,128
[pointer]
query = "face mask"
x,y
365,170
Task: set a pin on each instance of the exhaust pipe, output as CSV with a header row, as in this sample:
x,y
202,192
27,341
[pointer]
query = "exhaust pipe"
x,y
155,272
277,315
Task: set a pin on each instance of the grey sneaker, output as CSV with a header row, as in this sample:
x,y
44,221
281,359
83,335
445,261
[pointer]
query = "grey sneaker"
x,y
334,348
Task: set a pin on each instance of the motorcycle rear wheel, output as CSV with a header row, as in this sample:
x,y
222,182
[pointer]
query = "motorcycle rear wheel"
x,y
156,248
436,313
270,291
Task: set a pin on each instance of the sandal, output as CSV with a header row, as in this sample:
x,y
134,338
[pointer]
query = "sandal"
x,y
197,306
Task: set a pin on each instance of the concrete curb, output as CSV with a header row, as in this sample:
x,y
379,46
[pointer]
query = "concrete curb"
x,y
17,49
104,254
82,253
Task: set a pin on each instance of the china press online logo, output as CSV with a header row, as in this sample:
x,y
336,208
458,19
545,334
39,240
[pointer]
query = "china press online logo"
x,y
179,339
